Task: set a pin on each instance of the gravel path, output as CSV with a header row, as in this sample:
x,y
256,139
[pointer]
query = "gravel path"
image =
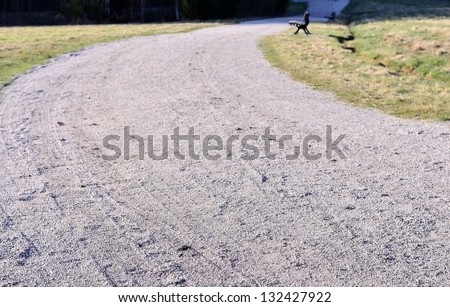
x,y
70,218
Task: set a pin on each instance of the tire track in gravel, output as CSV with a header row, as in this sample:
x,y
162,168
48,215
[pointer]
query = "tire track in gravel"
x,y
238,119
380,217
67,153
49,144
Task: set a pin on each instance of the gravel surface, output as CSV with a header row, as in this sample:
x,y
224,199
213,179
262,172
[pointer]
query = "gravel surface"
x,y
70,218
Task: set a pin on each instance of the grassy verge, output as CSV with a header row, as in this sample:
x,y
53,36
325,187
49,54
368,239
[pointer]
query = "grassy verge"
x,y
24,47
401,66
364,10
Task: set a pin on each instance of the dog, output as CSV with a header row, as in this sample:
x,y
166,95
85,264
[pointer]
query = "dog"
x,y
301,25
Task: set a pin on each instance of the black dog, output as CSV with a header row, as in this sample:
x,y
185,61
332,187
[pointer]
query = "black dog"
x,y
301,25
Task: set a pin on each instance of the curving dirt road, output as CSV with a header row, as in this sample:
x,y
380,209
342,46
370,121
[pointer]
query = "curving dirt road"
x,y
70,218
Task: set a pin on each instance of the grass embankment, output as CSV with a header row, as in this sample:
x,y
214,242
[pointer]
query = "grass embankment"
x,y
365,10
24,47
399,66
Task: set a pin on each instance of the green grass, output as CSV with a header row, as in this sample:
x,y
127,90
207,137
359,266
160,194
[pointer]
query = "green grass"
x,y
21,48
364,10
400,66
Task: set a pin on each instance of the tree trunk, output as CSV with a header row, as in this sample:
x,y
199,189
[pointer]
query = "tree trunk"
x,y
17,10
177,9
4,13
142,10
107,9
132,11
